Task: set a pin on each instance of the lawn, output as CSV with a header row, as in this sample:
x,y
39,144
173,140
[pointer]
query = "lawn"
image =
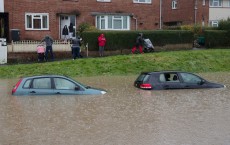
x,y
209,60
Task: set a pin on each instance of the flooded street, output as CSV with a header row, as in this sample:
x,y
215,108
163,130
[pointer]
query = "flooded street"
x,y
123,116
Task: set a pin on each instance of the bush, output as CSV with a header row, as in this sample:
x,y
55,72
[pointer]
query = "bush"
x,y
217,38
224,25
85,27
118,40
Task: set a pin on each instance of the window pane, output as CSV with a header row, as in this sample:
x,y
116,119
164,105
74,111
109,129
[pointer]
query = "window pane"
x,y
110,22
27,84
125,22
29,21
102,24
37,23
189,78
98,22
44,22
61,83
42,83
117,24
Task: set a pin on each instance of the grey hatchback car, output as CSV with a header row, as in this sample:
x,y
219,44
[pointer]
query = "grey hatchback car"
x,y
52,85
172,80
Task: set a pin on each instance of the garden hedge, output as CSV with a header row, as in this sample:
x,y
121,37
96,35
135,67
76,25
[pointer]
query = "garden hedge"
x,y
118,40
217,38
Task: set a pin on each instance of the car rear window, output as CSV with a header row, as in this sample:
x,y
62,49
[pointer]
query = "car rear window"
x,y
143,77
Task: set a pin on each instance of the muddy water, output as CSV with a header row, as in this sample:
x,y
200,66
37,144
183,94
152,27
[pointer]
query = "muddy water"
x,y
124,116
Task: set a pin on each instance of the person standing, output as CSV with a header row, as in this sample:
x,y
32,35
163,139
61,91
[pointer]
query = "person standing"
x,y
76,43
49,42
65,32
101,43
71,30
139,42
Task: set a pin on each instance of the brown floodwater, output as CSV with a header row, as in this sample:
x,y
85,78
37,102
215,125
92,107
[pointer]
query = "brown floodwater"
x,y
123,116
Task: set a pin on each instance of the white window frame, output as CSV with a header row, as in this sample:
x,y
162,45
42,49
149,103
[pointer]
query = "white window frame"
x,y
143,1
37,16
106,18
104,0
214,23
216,3
174,4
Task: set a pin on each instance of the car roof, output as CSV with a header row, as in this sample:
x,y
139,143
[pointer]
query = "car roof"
x,y
49,75
167,71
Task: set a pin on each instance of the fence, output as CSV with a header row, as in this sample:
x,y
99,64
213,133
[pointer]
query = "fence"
x,y
30,46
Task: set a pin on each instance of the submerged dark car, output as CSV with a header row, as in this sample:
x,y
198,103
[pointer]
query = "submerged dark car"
x,y
172,80
52,85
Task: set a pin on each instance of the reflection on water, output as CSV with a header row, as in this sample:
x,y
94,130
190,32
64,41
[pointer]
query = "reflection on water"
x,y
125,115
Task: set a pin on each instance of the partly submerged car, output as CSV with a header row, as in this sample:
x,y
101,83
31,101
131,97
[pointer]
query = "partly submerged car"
x,y
52,85
172,80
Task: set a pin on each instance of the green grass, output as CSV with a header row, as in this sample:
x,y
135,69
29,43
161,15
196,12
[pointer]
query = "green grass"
x,y
214,60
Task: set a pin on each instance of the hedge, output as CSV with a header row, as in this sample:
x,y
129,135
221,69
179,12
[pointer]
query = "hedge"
x,y
118,40
217,38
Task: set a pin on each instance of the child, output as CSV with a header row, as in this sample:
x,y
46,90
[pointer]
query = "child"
x,y
41,52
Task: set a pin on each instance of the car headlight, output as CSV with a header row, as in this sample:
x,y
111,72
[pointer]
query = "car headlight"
x,y
103,92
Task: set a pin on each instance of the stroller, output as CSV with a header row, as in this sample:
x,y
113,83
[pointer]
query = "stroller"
x,y
148,46
41,52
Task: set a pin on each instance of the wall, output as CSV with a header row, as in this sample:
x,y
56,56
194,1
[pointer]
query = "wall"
x,y
147,14
219,13
185,12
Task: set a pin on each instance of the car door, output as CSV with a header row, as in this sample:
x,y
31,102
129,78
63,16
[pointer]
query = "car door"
x,y
41,86
63,86
170,81
191,81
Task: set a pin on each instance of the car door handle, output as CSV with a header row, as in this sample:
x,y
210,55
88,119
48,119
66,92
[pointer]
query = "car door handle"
x,y
58,93
32,92
166,86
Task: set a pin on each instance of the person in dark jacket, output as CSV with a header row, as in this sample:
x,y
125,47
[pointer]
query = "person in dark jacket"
x,y
65,32
71,30
139,42
76,43
49,42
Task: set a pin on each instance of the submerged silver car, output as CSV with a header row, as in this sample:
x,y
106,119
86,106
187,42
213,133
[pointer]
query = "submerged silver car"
x,y
52,85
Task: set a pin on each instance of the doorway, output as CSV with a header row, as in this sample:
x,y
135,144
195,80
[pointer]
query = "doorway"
x,y
65,21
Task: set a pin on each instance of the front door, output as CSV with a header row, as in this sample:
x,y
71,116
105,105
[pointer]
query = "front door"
x,y
65,31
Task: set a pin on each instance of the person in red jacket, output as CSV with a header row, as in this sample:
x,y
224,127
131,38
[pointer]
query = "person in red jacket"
x,y
101,42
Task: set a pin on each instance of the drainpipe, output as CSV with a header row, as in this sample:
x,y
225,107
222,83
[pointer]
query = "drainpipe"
x,y
160,14
195,12
135,21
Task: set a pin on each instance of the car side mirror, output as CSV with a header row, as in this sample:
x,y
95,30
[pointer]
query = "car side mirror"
x,y
202,82
77,88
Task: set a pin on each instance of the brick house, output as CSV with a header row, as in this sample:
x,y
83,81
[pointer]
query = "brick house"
x,y
203,12
179,12
35,19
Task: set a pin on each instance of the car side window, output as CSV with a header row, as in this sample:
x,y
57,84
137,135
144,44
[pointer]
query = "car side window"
x,y
169,77
27,84
162,78
42,83
190,78
61,83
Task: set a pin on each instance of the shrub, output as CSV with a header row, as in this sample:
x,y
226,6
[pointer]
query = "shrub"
x,y
118,40
224,25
